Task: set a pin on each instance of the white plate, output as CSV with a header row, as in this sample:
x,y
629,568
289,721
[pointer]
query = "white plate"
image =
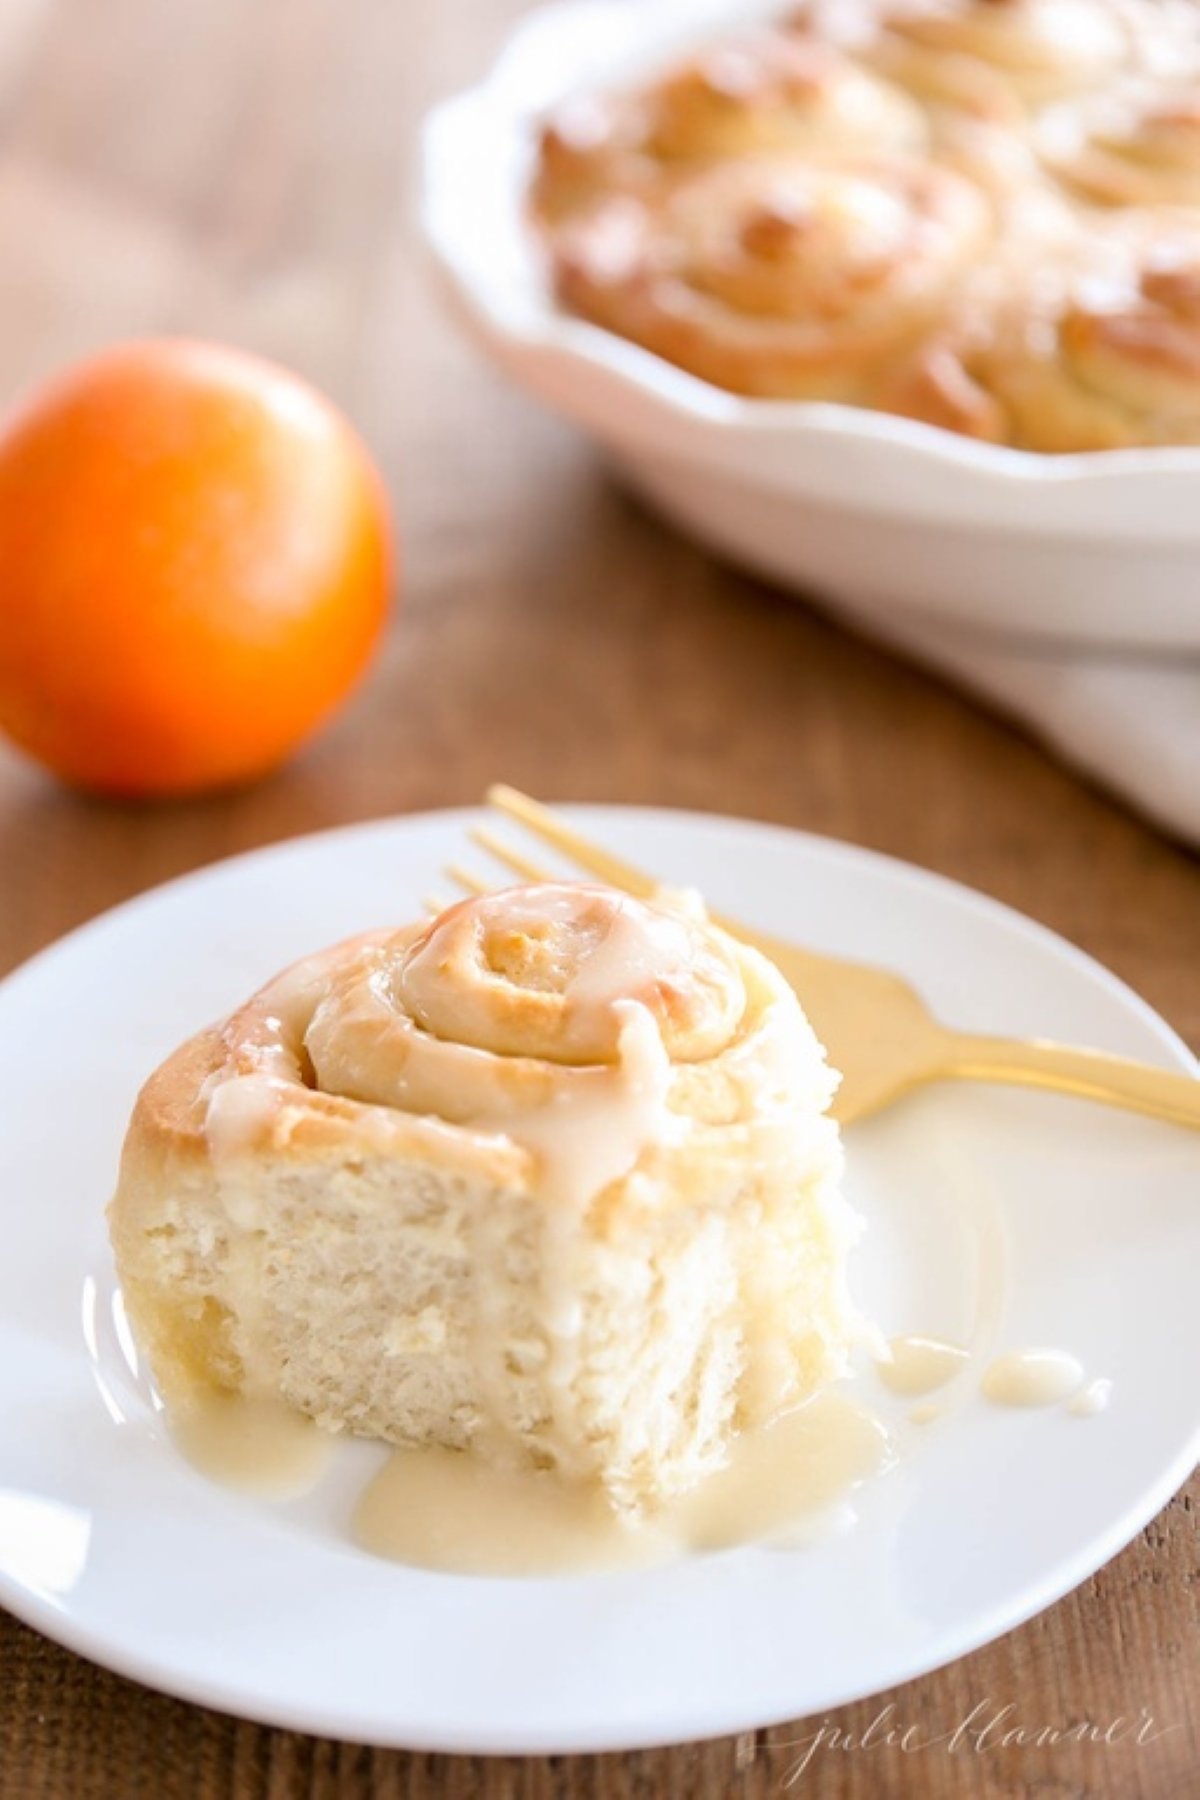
x,y
110,1543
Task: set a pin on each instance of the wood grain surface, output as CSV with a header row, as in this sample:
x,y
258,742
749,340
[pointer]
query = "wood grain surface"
x,y
245,169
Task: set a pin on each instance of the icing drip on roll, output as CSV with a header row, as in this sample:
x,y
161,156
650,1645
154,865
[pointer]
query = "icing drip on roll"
x,y
550,1014
565,1018
542,971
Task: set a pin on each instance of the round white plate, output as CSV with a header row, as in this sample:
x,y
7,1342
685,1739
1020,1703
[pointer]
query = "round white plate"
x,y
1085,1224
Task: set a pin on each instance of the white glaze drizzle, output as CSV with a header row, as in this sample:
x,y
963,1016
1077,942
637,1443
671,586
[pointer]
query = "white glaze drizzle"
x,y
920,1365
1092,1399
1032,1378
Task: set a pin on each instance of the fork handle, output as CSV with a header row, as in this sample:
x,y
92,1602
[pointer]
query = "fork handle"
x,y
1088,1074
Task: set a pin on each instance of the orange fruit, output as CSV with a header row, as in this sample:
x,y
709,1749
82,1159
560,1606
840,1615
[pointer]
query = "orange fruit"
x,y
194,568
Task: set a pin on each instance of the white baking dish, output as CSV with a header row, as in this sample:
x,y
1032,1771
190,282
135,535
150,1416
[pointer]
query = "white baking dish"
x,y
871,513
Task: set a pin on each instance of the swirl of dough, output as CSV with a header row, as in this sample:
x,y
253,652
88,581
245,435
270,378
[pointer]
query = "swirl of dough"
x,y
753,94
1131,149
541,971
772,91
586,1028
1040,256
779,276
1106,363
1133,362
937,385
523,998
997,58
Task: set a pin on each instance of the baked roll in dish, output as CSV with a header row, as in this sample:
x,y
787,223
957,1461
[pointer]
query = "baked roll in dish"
x,y
761,92
1139,148
905,205
1119,365
998,58
1112,362
779,276
549,1180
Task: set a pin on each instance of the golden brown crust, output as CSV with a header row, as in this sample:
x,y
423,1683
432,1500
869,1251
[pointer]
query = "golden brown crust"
x,y
170,1108
170,1136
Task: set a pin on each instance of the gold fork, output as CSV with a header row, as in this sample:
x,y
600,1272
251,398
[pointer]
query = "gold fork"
x,y
875,1027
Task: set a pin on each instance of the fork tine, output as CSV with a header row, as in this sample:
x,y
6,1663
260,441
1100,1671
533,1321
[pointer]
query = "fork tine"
x,y
554,831
512,858
466,878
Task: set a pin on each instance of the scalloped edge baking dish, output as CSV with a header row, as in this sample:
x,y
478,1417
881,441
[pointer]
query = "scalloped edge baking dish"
x,y
867,512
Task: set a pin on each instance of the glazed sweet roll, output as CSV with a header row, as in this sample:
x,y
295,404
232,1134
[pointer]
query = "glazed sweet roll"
x,y
550,1180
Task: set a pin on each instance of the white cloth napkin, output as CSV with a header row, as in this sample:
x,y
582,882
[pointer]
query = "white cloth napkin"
x,y
1131,721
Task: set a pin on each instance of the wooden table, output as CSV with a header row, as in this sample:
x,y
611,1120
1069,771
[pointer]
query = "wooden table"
x,y
244,169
